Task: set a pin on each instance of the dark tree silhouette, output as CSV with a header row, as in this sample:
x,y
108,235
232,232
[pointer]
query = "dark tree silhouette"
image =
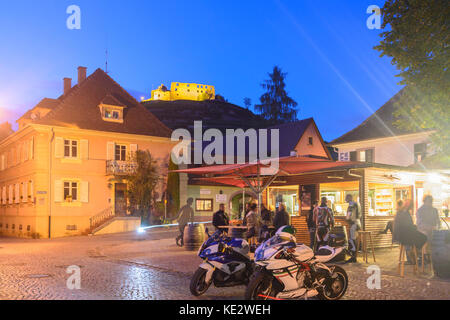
x,y
276,106
247,103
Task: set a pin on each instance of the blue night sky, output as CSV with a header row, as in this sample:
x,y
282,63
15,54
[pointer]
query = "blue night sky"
x,y
325,47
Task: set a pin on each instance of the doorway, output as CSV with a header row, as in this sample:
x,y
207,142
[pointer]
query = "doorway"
x,y
120,199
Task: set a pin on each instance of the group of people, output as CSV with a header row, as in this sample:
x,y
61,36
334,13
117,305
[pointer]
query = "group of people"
x,y
257,224
403,229
320,220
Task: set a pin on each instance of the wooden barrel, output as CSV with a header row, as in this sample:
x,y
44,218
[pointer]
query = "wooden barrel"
x,y
194,236
237,233
440,248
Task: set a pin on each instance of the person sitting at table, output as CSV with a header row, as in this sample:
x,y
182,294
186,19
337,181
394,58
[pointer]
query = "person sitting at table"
x,y
390,224
405,231
220,218
253,222
281,217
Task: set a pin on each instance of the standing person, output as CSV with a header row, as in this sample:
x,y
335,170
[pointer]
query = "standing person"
x,y
323,221
220,218
266,215
427,217
185,215
253,221
353,219
312,225
247,210
281,217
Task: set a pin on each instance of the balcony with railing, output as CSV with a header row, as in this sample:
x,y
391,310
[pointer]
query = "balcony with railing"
x,y
114,167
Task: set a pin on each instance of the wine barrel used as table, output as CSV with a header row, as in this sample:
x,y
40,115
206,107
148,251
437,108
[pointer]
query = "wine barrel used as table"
x,y
440,248
237,233
194,236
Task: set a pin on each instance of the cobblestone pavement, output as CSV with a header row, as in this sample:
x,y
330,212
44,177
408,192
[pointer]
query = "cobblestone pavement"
x,y
151,266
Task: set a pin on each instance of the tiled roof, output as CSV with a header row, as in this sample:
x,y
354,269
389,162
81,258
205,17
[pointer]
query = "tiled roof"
x,y
378,125
79,108
111,100
45,103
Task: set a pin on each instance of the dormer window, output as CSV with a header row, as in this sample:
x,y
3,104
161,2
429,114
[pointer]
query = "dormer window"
x,y
111,109
112,113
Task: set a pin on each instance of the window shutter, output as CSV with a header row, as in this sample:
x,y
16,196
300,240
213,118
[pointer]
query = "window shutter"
x,y
59,191
133,150
10,194
59,147
84,147
24,192
16,193
26,148
353,156
369,155
19,154
31,183
31,149
110,150
4,194
84,191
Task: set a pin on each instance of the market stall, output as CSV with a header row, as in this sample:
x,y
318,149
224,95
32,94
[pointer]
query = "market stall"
x,y
300,181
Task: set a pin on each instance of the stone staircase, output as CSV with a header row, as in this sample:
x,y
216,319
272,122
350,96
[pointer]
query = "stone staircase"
x,y
100,219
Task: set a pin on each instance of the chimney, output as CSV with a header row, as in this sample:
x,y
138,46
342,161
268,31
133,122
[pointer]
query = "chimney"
x,y
81,74
67,85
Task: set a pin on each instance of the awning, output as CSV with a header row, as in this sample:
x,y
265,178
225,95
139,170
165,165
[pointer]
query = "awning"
x,y
286,166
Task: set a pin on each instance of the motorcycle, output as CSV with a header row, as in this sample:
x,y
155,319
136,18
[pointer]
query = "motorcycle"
x,y
226,263
287,271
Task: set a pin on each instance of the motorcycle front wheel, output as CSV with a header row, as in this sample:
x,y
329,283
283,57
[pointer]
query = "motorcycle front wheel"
x,y
335,285
260,287
198,284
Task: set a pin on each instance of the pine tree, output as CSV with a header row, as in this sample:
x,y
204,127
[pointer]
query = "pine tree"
x,y
276,106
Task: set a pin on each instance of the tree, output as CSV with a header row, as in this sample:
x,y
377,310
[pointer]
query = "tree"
x,y
141,184
417,41
247,103
173,189
276,106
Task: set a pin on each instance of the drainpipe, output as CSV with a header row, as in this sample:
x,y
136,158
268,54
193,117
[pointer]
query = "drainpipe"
x,y
52,137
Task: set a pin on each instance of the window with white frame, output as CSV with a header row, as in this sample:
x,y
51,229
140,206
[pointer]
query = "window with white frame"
x,y
120,152
70,148
70,190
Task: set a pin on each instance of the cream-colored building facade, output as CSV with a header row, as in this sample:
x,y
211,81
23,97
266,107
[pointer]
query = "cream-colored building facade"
x,y
60,175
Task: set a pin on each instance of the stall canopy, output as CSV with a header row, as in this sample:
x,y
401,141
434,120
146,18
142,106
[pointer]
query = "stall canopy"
x,y
260,174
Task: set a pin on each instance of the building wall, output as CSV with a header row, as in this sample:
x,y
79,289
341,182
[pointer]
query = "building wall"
x,y
391,151
210,192
305,148
95,187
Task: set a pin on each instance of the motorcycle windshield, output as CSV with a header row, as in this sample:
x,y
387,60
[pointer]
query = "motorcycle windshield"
x,y
265,250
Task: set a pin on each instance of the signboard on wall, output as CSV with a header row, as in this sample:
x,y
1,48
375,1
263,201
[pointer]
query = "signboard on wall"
x,y
205,191
221,198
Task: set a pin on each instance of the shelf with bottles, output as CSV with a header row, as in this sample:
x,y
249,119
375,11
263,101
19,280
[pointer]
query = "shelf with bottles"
x,y
384,202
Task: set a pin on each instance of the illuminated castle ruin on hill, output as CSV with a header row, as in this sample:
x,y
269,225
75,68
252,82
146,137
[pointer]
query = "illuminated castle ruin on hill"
x,y
184,91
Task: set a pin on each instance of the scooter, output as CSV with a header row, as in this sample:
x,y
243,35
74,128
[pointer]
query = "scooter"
x,y
287,271
226,263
